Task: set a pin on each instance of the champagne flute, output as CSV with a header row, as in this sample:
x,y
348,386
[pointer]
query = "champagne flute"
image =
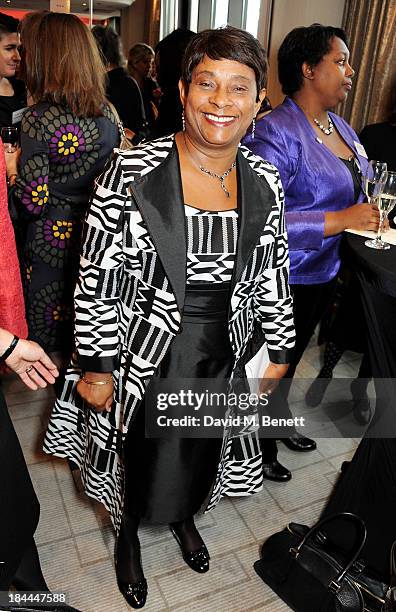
x,y
386,201
374,178
9,136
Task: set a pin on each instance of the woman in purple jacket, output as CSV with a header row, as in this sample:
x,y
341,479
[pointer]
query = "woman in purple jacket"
x,y
320,160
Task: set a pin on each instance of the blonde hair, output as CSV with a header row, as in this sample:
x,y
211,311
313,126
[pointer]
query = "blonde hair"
x,y
61,63
139,52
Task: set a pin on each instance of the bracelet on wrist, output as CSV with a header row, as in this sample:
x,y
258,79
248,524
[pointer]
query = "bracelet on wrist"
x,y
97,382
9,350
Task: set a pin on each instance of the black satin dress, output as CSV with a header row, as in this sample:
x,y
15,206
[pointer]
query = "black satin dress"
x,y
168,480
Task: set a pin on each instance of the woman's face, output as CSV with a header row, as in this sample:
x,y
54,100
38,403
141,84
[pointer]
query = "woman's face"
x,y
9,55
332,77
220,102
143,66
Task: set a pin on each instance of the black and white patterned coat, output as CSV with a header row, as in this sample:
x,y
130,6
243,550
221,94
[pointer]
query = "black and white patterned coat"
x,y
129,300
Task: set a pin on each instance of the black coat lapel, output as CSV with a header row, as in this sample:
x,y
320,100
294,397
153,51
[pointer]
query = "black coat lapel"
x,y
159,197
255,200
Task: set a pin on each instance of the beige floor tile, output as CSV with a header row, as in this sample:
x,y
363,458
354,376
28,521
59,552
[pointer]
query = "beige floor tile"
x,y
333,477
314,356
308,485
242,598
30,432
344,428
350,356
308,515
295,460
347,370
261,514
186,586
92,547
299,387
306,370
228,532
53,524
35,408
338,461
331,447
79,507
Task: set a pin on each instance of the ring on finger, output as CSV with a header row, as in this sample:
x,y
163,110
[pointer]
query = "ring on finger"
x,y
29,369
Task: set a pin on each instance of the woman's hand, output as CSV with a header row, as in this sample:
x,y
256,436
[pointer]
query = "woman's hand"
x,y
358,217
271,377
362,217
100,397
12,160
29,361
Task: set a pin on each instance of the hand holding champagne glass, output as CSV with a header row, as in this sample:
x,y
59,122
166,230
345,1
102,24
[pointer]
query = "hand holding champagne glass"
x,y
386,201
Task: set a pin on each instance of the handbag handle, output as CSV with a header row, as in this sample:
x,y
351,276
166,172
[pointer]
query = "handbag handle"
x,y
360,540
120,125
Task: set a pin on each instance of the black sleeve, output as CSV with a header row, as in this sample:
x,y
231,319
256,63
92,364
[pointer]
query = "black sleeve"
x,y
128,103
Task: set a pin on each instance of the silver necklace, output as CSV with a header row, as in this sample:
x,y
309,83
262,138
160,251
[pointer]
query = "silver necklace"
x,y
220,177
329,130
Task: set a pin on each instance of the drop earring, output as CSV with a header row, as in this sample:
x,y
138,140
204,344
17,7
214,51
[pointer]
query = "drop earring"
x,y
183,121
253,127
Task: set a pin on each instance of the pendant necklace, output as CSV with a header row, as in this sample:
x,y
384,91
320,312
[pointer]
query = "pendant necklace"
x,y
220,177
329,130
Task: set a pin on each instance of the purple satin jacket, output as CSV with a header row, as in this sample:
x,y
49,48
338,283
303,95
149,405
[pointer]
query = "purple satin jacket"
x,y
314,181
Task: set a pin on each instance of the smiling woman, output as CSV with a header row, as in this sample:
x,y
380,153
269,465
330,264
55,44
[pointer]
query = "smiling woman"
x,y
185,258
222,86
12,90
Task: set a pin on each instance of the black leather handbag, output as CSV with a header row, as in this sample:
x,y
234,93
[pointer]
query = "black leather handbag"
x,y
311,574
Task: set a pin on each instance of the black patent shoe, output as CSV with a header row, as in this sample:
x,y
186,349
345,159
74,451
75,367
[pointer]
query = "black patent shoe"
x,y
198,559
276,471
134,594
299,443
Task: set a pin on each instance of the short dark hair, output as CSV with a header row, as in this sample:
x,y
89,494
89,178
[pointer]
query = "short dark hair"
x,y
226,43
109,44
306,44
8,25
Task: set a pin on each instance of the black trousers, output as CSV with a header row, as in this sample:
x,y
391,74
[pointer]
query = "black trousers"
x,y
19,506
309,305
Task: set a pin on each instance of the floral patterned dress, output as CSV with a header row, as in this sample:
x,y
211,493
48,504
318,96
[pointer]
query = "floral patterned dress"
x,y
61,156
